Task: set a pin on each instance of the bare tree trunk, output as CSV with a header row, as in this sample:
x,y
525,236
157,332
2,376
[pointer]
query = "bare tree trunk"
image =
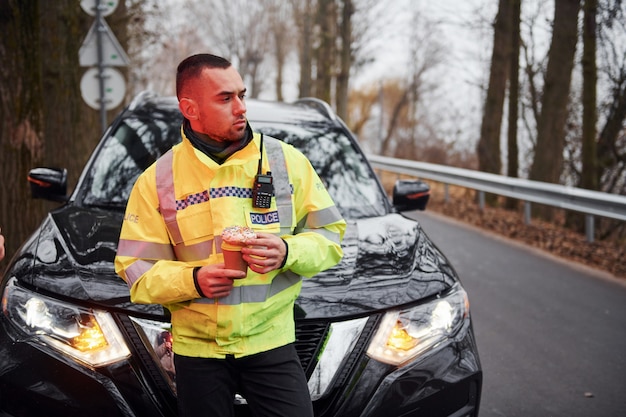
x,y
589,178
489,143
488,149
610,149
548,160
326,52
251,62
610,155
396,112
280,50
21,119
71,128
43,118
303,14
283,36
345,59
362,101
513,153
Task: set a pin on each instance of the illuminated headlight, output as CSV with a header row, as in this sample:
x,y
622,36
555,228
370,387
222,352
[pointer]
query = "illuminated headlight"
x,y
86,335
405,334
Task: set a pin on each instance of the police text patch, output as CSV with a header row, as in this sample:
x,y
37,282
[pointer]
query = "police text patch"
x,y
264,218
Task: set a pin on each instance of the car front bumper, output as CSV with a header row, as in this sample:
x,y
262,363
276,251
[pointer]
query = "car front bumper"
x,y
447,382
35,380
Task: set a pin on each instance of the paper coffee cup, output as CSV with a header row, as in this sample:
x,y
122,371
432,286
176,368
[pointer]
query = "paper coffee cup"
x,y
233,258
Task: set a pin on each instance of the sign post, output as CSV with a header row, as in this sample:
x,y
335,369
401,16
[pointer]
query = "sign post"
x,y
103,112
101,87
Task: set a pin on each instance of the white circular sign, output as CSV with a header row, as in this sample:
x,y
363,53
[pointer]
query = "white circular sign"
x,y
114,88
106,7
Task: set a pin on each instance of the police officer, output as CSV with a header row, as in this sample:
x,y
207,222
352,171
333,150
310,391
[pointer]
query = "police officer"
x,y
233,331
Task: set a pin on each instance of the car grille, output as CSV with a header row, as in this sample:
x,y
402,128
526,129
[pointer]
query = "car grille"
x,y
310,336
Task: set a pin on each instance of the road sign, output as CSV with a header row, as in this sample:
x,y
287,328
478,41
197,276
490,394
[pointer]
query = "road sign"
x,y
106,7
113,54
114,88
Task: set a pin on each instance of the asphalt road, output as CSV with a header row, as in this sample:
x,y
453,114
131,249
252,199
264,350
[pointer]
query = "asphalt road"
x,y
551,335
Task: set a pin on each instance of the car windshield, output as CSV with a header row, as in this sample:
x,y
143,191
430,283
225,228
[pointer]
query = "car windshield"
x,y
137,141
146,134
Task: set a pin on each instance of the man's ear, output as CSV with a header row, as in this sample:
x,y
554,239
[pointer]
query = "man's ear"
x,y
188,108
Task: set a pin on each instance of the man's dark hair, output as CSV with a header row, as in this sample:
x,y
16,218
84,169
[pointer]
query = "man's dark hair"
x,y
192,66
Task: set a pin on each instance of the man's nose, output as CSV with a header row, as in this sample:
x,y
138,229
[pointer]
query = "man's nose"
x,y
240,106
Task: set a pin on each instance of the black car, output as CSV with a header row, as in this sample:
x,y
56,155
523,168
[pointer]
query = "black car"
x,y
387,332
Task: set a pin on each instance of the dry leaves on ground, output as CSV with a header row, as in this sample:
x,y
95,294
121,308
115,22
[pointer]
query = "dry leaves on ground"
x,y
554,238
550,237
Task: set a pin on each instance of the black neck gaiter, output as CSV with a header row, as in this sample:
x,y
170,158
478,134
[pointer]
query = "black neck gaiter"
x,y
217,151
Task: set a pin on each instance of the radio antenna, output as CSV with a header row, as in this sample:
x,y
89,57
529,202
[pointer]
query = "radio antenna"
x,y
260,168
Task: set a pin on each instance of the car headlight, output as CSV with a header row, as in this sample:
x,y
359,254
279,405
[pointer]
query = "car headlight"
x,y
405,334
86,335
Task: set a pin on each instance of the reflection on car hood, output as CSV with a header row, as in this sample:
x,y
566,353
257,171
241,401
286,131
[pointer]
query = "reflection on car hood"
x,y
388,261
71,255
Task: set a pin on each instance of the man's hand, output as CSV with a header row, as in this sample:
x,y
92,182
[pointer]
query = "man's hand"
x,y
215,281
264,253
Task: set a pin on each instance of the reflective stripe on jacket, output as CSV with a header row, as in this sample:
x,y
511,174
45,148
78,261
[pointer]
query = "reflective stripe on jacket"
x,y
170,229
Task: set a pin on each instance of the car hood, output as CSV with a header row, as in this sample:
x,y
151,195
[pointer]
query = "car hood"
x,y
388,261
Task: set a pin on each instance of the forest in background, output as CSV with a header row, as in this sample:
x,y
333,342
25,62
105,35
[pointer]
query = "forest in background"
x,y
551,112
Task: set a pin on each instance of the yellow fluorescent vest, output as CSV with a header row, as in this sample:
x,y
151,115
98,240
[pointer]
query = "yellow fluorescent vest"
x,y
156,259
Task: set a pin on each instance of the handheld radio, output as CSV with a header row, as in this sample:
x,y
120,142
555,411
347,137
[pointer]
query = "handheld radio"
x,y
263,187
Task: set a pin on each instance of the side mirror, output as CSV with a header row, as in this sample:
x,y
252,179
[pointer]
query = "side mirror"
x,y
48,183
410,195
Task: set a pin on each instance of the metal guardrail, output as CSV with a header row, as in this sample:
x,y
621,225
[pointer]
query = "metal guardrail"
x,y
591,203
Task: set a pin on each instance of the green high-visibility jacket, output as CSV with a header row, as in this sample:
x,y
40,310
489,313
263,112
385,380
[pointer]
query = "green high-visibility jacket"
x,y
174,218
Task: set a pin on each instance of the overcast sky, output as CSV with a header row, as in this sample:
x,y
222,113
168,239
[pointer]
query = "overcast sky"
x,y
457,25
463,32
464,28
